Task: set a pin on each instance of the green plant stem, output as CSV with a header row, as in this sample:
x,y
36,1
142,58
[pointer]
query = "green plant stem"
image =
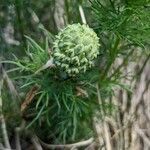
x,y
102,111
67,11
113,54
82,14
112,4
18,7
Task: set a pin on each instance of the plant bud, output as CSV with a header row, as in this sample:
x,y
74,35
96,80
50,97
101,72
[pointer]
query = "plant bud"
x,y
75,49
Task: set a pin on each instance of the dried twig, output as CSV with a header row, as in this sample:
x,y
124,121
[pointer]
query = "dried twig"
x,y
3,124
36,143
17,138
18,145
29,97
59,14
76,145
17,135
142,134
10,85
107,136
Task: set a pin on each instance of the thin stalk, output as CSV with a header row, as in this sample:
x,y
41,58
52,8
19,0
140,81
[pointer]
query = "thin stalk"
x,y
113,54
18,7
2,120
102,111
67,10
69,146
36,143
17,139
112,4
82,14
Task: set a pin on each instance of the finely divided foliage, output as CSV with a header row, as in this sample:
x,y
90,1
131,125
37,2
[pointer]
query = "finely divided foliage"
x,y
125,18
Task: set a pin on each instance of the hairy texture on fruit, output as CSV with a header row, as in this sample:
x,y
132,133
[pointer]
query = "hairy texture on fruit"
x,y
75,48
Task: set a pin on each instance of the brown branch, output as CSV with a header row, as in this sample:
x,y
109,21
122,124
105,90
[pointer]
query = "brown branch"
x,y
36,143
2,120
29,97
142,134
62,146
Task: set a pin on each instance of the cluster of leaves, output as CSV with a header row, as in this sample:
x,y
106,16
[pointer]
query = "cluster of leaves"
x,y
62,107
125,18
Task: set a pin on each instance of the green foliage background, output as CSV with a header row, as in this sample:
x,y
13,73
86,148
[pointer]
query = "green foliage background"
x,y
57,112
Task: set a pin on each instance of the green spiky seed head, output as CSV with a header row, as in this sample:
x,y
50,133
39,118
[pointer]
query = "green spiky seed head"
x,y
75,48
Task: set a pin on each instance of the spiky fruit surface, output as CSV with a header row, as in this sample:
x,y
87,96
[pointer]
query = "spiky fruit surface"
x,y
75,48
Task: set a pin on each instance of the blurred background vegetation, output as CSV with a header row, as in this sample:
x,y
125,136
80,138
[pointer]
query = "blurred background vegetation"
x,y
120,81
